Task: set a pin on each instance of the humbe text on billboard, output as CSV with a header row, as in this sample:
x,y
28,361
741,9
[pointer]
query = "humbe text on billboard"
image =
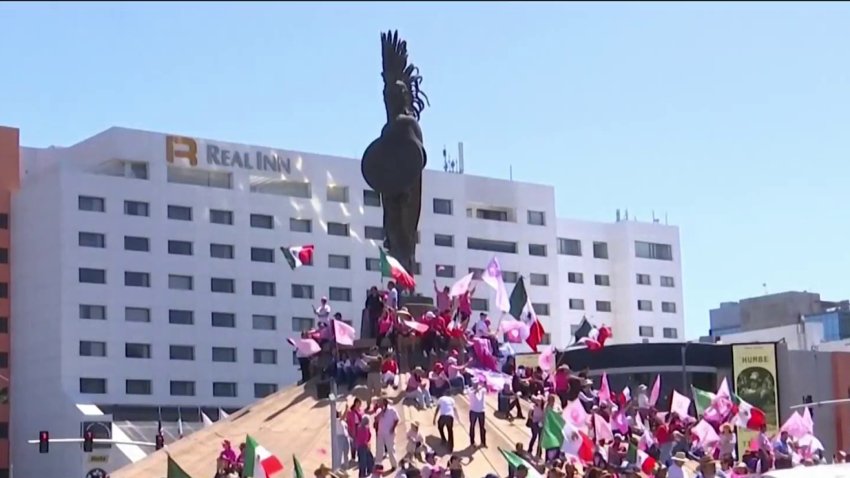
x,y
181,147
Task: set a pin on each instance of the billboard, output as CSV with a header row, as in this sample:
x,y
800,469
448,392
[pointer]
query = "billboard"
x,y
754,377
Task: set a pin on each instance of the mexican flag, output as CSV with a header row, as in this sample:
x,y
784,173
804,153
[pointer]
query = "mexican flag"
x,y
746,415
259,462
552,434
522,310
297,256
702,400
516,461
174,470
299,472
646,463
391,267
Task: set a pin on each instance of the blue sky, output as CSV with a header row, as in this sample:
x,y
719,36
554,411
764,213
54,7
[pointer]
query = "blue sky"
x,y
730,118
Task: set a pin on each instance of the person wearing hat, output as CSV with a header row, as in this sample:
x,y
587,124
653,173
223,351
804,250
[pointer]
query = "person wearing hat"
x,y
323,472
323,312
675,470
642,398
726,445
740,470
708,468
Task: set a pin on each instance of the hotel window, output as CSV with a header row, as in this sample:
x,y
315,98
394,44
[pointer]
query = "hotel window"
x,y
339,294
482,305
261,254
644,279
4,290
91,203
181,317
489,245
338,194
540,309
569,247
223,319
4,221
602,280
262,221
538,279
668,307
644,305
180,213
443,206
138,387
90,348
135,243
96,386
603,306
476,273
301,291
137,279
374,232
180,248
224,354
88,239
537,250
371,198
300,225
576,304
444,240
600,250
4,325
221,251
137,351
263,390
646,331
89,276
575,277
263,288
373,264
263,322
265,356
221,216
442,270
337,229
92,312
181,352
670,333
510,277
224,389
651,250
667,281
546,339
537,218
137,314
300,324
225,286
182,388
180,282
336,261
136,208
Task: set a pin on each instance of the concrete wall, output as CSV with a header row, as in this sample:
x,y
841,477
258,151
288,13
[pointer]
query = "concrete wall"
x,y
777,309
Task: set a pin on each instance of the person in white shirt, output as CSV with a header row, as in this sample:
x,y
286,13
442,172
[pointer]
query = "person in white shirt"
x,y
476,395
444,418
387,423
392,295
676,470
323,312
642,398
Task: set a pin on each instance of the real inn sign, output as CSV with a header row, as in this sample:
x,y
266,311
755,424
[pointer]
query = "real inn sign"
x,y
181,148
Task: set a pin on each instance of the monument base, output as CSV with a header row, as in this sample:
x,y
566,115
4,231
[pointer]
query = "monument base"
x,y
417,305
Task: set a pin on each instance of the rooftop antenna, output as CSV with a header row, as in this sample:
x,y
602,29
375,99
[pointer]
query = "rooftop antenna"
x,y
764,286
627,215
511,172
460,157
654,219
445,159
665,219
618,214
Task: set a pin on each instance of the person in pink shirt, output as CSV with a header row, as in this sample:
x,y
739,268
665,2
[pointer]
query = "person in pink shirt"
x,y
464,306
562,384
353,417
444,301
362,438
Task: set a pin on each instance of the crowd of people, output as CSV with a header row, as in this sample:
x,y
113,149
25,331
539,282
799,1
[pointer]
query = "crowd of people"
x,y
598,433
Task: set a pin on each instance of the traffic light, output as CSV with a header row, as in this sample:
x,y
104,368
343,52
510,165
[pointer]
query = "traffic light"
x,y
88,441
43,442
160,441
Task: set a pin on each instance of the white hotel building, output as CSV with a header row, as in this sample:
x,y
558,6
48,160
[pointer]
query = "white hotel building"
x,y
136,281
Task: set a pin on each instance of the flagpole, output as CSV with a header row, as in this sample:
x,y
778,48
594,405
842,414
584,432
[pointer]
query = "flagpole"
x,y
335,461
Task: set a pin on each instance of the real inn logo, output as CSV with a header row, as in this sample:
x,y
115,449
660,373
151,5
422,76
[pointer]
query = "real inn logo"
x,y
186,149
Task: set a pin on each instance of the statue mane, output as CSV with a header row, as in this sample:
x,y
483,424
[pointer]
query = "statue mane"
x,y
402,81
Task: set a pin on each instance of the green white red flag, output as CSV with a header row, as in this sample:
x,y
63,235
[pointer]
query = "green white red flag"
x,y
298,256
746,415
259,462
391,267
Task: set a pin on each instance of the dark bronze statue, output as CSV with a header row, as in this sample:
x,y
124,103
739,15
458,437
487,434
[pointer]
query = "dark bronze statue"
x,y
392,165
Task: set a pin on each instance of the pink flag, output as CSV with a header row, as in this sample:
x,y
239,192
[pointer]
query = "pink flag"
x,y
602,429
547,359
627,393
574,414
461,286
656,391
619,422
705,434
723,390
680,404
417,326
515,331
343,332
795,426
604,389
807,421
492,276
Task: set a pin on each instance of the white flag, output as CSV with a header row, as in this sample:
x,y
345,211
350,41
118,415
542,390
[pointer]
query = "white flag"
x,y
206,419
222,415
461,286
492,276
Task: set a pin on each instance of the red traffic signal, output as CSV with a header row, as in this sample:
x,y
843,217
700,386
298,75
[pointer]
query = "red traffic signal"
x,y
160,441
43,441
88,441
